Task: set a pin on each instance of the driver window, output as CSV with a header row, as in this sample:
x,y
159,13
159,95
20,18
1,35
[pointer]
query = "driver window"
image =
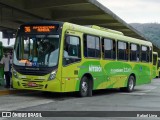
x,y
72,50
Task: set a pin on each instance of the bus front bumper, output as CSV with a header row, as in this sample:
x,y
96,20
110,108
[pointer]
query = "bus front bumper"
x,y
30,84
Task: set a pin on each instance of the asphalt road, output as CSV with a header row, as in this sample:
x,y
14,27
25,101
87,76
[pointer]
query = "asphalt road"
x,y
144,98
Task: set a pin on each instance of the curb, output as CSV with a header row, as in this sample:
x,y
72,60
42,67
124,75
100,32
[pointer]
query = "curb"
x,y
14,91
6,92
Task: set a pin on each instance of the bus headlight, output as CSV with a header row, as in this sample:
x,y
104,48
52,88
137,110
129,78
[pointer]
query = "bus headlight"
x,y
52,75
15,73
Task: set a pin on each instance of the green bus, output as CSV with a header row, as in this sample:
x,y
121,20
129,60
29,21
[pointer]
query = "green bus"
x,y
155,65
64,57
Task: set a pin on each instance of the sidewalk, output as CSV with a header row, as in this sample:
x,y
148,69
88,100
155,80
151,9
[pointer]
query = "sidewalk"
x,y
7,91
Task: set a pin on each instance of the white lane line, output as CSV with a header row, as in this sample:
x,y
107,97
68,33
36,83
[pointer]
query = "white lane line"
x,y
133,93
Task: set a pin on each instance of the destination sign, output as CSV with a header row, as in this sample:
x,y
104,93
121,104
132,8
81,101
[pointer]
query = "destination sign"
x,y
39,29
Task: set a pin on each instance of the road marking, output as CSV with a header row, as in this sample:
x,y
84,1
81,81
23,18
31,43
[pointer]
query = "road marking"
x,y
21,105
133,93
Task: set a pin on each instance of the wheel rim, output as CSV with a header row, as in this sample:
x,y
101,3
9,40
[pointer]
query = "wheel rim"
x,y
84,87
131,84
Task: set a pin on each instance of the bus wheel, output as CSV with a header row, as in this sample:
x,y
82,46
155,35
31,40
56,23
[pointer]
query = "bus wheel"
x,y
131,84
85,89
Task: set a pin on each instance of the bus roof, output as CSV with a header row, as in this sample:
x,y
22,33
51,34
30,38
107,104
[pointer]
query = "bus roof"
x,y
106,29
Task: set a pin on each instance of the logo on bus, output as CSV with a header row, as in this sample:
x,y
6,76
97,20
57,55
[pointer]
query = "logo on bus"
x,y
93,68
120,70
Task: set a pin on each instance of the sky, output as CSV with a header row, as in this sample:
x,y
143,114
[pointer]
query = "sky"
x,y
135,11
5,41
131,11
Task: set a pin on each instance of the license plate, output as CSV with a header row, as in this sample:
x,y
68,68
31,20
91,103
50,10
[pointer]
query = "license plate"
x,y
31,84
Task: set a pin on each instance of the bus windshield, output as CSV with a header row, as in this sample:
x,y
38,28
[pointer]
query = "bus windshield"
x,y
36,50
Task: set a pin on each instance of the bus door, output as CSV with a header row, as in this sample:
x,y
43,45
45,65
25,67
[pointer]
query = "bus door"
x,y
71,60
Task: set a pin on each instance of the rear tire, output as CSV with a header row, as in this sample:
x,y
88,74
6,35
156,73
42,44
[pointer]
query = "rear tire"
x,y
85,88
130,85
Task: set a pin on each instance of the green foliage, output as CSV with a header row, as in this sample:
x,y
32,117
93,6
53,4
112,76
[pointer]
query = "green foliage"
x,y
150,31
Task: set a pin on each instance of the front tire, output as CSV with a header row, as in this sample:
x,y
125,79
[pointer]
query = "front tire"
x,y
85,88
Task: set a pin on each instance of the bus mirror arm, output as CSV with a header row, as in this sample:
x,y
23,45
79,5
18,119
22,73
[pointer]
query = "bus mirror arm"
x,y
66,58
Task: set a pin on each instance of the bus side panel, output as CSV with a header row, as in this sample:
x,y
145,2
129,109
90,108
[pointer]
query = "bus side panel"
x,y
94,68
106,74
154,71
70,76
144,74
117,73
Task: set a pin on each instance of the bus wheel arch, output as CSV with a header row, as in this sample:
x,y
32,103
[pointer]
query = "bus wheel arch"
x,y
86,85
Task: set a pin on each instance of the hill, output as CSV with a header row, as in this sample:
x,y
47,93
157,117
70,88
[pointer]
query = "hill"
x,y
150,31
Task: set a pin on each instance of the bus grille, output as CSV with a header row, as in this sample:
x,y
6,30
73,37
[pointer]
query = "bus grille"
x,y
29,80
32,80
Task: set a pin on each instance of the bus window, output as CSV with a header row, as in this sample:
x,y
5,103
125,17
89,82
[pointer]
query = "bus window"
x,y
72,50
91,46
122,50
38,50
109,48
145,53
133,52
